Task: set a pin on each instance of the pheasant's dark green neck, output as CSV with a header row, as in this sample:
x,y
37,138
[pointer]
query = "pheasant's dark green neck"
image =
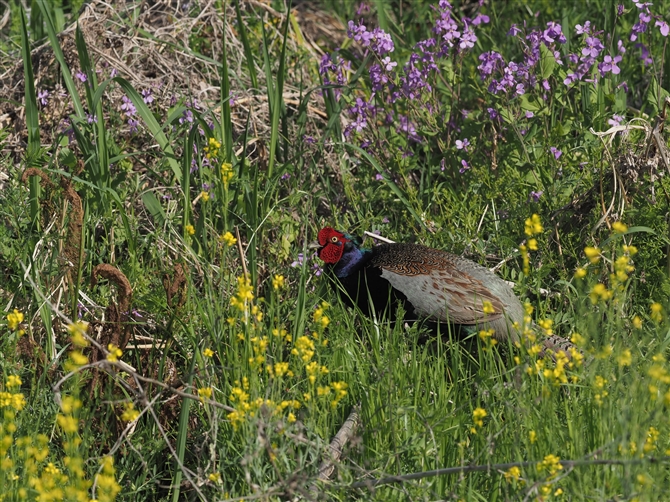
x,y
353,258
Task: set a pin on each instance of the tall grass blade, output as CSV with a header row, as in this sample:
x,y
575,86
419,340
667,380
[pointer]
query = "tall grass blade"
x,y
226,122
32,119
58,53
248,54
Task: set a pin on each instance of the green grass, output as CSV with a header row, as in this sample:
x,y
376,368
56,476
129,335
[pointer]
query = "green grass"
x,y
243,363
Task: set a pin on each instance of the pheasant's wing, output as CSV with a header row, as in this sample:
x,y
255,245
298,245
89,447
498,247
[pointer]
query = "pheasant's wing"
x,y
439,285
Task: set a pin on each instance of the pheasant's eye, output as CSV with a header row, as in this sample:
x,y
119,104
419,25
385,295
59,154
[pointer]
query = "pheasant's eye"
x,y
334,239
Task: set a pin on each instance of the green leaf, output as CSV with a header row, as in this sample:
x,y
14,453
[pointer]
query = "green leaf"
x,y
547,61
154,207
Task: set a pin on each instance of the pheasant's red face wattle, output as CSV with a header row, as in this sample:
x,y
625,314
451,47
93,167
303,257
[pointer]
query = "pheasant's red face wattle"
x,y
332,243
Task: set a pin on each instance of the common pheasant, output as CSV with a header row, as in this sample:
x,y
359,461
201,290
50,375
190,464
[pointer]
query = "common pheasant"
x,y
432,285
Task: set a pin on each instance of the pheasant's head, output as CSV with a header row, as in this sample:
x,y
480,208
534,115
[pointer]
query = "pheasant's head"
x,y
331,245
342,251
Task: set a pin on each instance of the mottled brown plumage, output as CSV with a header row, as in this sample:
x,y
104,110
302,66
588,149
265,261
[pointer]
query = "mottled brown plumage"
x,y
432,285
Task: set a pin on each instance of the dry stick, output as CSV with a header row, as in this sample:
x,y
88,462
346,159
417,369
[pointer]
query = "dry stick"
x,y
339,442
499,467
335,449
241,251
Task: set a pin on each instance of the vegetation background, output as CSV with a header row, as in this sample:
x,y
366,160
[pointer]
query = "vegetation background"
x,y
167,334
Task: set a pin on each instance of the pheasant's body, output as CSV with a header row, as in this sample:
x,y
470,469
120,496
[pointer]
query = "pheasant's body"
x,y
431,285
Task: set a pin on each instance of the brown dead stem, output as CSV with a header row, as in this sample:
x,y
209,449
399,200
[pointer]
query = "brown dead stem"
x,y
176,285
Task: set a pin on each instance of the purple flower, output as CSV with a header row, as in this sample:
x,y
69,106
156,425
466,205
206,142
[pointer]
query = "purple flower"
x,y
81,76
535,196
620,47
556,152
285,176
308,139
299,262
113,73
545,85
624,85
553,33
127,106
91,119
481,19
513,31
443,164
462,145
363,8
644,54
493,114
580,30
147,97
465,167
593,47
663,26
609,65
468,39
187,116
385,220
619,10
42,97
636,30
491,61
388,64
379,177
133,125
529,115
615,120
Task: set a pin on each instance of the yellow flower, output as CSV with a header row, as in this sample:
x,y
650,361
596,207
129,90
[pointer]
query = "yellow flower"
x,y
67,423
629,250
619,228
551,464
204,196
656,312
228,239
513,474
278,281
208,352
532,436
205,392
600,292
114,353
130,414
580,273
593,254
532,244
77,331
70,404
637,322
14,319
212,148
478,415
214,477
625,358
291,417
226,174
189,229
13,381
533,225
487,307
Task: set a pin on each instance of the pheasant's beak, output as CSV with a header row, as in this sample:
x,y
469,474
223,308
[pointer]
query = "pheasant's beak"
x,y
314,245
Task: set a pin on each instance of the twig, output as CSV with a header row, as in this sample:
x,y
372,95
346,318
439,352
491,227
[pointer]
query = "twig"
x,y
379,237
338,443
241,251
